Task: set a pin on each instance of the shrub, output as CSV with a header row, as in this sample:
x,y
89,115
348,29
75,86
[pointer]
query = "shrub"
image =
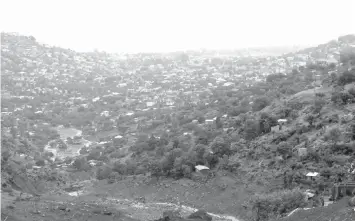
x,y
119,167
260,103
346,78
235,111
267,206
284,149
40,162
352,91
334,135
80,164
84,150
94,154
103,172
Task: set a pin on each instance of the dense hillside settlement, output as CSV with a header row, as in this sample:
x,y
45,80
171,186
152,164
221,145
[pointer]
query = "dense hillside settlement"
x,y
177,136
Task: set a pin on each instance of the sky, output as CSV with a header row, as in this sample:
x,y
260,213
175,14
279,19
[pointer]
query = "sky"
x,y
170,25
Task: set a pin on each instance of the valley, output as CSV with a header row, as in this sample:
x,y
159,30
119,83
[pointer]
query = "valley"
x,y
98,136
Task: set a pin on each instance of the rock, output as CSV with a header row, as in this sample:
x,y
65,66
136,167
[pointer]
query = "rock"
x,y
200,215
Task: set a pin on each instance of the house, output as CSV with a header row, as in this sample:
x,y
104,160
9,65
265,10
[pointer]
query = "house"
x,y
340,190
203,170
209,121
312,176
282,121
310,193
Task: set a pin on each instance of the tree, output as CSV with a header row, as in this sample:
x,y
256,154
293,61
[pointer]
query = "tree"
x,y
260,103
220,146
251,129
40,162
284,149
152,142
200,150
346,77
219,123
103,172
80,163
266,122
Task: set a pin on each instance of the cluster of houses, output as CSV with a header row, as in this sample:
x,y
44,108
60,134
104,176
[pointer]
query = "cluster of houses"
x,y
133,92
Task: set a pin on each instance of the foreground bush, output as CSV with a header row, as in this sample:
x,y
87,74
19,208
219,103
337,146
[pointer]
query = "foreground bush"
x,y
267,206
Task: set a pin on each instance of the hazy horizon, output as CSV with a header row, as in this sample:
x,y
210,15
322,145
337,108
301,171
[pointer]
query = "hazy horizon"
x,y
162,26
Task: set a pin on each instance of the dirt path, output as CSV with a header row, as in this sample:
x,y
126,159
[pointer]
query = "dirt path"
x,y
55,208
90,206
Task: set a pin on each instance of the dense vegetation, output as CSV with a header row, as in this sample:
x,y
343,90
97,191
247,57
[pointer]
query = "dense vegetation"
x,y
319,134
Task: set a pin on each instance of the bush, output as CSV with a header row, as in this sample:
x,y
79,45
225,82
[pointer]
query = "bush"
x,y
103,172
80,164
346,78
310,119
40,162
119,167
342,97
267,206
334,135
94,154
352,91
220,147
260,103
84,150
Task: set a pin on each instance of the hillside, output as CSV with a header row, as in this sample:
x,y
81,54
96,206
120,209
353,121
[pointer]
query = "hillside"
x,y
136,126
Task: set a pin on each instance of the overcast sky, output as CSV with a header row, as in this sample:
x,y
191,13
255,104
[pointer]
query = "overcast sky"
x,y
167,25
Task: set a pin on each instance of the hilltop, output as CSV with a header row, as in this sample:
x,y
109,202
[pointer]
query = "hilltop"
x,y
135,126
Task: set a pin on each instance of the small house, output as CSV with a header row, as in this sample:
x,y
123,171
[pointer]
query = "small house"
x,y
282,121
312,176
310,193
201,169
209,121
